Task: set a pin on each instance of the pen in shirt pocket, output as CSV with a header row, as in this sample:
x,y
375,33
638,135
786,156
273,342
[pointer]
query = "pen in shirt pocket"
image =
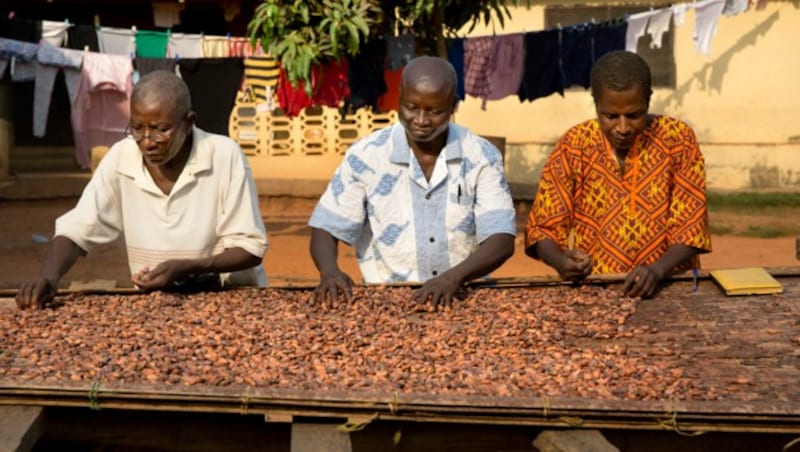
x,y
458,197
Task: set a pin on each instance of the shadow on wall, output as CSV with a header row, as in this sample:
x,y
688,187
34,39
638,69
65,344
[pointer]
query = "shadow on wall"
x,y
711,75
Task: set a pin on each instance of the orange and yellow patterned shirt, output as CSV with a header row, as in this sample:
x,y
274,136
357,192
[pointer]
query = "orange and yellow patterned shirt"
x,y
623,220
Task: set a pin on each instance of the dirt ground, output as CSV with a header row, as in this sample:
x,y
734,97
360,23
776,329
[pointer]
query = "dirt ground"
x,y
25,226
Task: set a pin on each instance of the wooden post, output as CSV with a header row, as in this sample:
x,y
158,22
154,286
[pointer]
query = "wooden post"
x,y
20,427
6,130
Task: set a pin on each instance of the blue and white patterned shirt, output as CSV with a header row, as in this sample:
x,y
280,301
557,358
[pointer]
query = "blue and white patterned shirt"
x,y
404,227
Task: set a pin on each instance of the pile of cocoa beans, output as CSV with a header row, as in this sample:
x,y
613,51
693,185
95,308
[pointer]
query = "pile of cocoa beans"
x,y
524,342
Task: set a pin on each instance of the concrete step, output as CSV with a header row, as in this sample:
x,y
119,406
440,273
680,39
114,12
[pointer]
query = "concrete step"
x,y
44,185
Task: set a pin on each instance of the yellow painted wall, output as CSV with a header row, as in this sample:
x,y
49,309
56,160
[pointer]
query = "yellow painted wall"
x,y
743,101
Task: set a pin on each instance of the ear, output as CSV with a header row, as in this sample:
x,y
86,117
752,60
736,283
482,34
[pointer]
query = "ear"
x,y
191,118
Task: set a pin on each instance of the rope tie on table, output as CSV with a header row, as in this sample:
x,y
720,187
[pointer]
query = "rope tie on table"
x,y
349,427
545,406
394,404
572,421
672,424
94,391
245,399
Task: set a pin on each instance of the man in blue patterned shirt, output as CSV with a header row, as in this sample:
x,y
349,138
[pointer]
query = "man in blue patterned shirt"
x,y
423,200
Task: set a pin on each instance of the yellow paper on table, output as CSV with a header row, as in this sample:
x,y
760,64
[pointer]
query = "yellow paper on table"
x,y
746,281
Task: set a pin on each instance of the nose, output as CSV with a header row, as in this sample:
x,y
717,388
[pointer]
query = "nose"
x,y
623,126
421,117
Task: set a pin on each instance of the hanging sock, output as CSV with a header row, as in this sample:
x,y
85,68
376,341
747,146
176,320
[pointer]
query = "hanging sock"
x,y
705,27
679,13
55,33
658,25
215,47
637,24
116,41
183,45
151,44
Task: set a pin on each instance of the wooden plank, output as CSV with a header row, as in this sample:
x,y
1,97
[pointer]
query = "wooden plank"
x,y
316,437
20,427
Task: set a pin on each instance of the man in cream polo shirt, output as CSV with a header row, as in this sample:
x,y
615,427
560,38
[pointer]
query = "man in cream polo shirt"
x,y
183,199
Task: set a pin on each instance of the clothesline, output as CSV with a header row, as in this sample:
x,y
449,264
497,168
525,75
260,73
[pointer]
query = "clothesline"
x,y
530,65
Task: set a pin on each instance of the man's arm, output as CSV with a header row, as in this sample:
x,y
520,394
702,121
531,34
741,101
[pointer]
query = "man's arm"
x,y
333,281
230,260
61,256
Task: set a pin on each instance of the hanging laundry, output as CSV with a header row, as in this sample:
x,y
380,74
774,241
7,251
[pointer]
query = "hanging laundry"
x,y
679,13
577,54
455,54
366,76
261,77
51,60
477,56
331,84
706,16
213,84
608,36
101,108
400,50
293,99
215,47
20,56
145,66
21,29
541,75
117,41
506,66
242,47
637,24
390,101
185,46
151,44
658,25
80,37
55,33
734,7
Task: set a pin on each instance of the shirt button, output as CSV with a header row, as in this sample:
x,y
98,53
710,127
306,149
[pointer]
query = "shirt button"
x,y
428,196
431,239
434,273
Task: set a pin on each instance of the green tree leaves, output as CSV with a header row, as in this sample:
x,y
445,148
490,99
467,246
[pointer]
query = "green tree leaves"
x,y
303,33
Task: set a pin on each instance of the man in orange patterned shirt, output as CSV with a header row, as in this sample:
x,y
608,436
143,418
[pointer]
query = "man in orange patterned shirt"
x,y
623,193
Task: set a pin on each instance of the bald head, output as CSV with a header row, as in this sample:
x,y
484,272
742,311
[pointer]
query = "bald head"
x,y
165,89
430,75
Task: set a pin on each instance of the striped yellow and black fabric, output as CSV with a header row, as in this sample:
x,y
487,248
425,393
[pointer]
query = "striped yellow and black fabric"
x,y
260,73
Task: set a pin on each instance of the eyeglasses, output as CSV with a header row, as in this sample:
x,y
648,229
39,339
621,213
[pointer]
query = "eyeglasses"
x,y
139,133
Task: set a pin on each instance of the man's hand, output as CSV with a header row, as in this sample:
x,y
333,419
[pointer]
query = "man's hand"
x,y
331,287
35,293
163,275
439,292
576,265
642,281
